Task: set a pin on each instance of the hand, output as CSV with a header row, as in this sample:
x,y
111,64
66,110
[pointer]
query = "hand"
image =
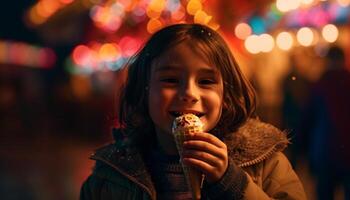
x,y
206,153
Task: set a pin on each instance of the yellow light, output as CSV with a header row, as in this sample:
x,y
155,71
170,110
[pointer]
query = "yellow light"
x,y
282,5
294,4
266,42
284,40
242,31
344,3
201,17
109,52
153,25
307,2
213,25
287,5
305,36
252,44
330,33
157,5
193,6
152,13
35,18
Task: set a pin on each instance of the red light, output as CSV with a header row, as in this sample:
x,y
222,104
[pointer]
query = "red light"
x,y
129,46
81,55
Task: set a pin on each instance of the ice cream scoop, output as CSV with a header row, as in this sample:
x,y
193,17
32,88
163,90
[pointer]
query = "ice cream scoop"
x,y
183,126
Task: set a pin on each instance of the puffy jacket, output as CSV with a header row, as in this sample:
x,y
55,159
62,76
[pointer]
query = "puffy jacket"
x,y
120,172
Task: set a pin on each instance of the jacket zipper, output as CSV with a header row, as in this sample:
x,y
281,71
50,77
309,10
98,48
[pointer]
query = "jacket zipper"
x,y
260,158
126,175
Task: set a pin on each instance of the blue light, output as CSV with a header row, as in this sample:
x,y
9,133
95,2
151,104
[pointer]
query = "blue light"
x,y
258,25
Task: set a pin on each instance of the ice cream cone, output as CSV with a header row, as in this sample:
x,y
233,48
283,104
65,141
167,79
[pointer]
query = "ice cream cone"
x,y
184,126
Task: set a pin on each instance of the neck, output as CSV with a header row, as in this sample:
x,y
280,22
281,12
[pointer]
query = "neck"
x,y
166,143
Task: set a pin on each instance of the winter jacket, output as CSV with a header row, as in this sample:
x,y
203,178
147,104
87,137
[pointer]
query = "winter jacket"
x,y
120,172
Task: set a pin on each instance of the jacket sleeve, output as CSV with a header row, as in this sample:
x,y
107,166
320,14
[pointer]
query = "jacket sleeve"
x,y
230,186
279,181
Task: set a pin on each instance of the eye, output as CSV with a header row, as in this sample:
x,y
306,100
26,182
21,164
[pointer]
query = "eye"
x,y
207,81
169,80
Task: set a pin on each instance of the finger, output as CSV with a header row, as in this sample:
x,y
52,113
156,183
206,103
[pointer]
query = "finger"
x,y
199,165
206,147
203,156
208,138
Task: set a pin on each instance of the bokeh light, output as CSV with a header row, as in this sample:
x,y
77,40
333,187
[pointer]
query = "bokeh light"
x,y
266,42
252,44
282,5
109,52
193,7
306,2
202,17
284,40
129,46
178,14
343,3
153,25
330,33
305,36
243,30
81,54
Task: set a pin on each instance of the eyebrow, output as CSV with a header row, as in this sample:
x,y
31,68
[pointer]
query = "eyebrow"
x,y
167,68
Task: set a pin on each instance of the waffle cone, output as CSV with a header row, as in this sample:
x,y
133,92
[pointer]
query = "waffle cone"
x,y
184,126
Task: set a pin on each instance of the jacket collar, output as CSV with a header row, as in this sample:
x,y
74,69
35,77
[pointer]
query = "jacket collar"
x,y
252,143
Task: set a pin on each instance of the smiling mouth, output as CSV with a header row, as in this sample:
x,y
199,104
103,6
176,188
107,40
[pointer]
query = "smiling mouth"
x,y
177,114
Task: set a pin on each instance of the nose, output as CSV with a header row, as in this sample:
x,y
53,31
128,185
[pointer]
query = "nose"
x,y
189,92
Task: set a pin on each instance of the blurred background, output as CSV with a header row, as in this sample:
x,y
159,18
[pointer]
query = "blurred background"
x,y
61,68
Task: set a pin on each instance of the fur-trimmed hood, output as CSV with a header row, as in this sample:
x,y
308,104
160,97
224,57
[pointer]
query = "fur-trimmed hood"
x,y
254,142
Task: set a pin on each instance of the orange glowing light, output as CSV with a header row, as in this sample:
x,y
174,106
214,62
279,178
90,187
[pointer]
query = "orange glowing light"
x,y
109,52
202,18
66,1
153,25
35,18
214,25
152,13
157,5
193,7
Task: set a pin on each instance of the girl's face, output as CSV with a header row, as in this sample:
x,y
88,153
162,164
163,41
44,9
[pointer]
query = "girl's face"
x,y
184,81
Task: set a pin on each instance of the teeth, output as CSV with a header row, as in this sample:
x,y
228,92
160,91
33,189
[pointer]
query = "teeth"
x,y
183,113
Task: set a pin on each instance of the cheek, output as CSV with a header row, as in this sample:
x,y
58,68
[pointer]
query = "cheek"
x,y
159,99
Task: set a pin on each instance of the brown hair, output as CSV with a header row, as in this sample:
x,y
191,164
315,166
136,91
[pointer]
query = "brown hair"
x,y
239,96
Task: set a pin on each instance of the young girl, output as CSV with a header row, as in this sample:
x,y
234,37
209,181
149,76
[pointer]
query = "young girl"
x,y
188,68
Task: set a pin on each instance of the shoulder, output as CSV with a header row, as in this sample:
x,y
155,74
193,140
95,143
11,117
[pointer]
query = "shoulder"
x,y
255,141
277,164
276,177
